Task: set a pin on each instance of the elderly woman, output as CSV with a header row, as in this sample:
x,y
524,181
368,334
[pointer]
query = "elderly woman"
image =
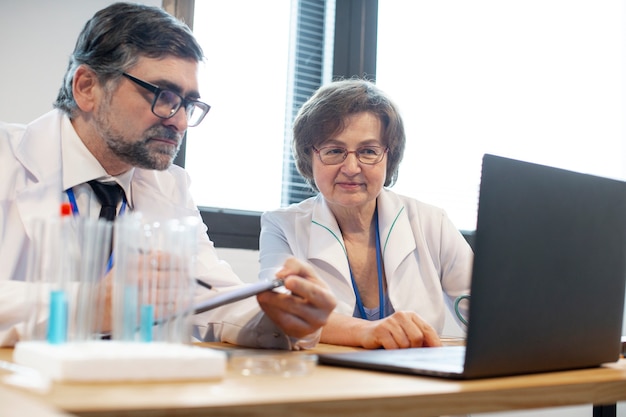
x,y
393,262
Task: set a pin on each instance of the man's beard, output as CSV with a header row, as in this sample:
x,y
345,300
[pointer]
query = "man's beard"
x,y
143,153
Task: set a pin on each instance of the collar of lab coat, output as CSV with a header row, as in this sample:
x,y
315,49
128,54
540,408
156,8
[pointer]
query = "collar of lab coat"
x,y
396,238
39,151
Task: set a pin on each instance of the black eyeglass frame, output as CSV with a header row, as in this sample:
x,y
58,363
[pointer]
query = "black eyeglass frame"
x,y
184,102
346,152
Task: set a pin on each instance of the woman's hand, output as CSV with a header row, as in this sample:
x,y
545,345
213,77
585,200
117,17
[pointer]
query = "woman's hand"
x,y
403,329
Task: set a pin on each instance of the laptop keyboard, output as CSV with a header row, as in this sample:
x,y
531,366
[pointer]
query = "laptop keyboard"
x,y
450,358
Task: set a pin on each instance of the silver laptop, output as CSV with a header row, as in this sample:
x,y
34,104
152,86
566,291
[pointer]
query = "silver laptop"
x,y
547,284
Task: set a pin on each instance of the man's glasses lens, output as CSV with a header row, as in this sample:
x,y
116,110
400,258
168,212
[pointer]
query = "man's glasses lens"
x,y
167,104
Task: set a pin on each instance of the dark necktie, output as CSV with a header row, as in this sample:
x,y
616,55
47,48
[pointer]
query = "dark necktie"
x,y
109,196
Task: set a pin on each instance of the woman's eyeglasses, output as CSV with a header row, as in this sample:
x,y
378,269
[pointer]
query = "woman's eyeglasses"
x,y
334,155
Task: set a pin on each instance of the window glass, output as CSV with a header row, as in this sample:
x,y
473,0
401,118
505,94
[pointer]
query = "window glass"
x,y
235,156
538,80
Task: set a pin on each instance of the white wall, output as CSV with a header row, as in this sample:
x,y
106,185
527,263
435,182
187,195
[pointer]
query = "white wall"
x,y
36,40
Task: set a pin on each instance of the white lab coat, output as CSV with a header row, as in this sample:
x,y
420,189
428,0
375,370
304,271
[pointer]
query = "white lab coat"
x,y
427,261
31,186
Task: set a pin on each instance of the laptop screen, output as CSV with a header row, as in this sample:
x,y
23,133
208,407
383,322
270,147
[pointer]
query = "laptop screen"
x,y
549,268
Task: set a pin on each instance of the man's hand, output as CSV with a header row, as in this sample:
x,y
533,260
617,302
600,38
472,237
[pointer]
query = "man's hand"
x,y
308,306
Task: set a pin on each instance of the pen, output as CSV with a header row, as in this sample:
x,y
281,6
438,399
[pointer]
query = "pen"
x,y
204,284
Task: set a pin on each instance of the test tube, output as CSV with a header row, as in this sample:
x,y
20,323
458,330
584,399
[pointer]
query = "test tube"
x,y
125,248
94,237
58,317
154,282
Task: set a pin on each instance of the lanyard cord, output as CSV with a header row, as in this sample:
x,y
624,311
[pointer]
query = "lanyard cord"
x,y
381,296
76,213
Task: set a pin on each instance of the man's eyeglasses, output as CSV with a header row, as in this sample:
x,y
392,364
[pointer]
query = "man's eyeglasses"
x,y
334,155
166,103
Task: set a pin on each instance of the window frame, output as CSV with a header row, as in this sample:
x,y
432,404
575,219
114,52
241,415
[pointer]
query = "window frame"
x,y
354,55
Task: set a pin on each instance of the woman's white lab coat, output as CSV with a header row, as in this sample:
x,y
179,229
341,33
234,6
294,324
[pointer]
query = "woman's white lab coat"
x,y
427,261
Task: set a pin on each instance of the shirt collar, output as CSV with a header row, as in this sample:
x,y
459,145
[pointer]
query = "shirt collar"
x,y
80,166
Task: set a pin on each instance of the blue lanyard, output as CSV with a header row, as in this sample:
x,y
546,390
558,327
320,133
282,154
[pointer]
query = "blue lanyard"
x,y
76,213
381,296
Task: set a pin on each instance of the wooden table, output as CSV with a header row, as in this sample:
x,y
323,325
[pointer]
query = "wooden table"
x,y
331,391
16,404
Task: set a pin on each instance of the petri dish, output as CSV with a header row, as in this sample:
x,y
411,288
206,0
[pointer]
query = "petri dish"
x,y
286,364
